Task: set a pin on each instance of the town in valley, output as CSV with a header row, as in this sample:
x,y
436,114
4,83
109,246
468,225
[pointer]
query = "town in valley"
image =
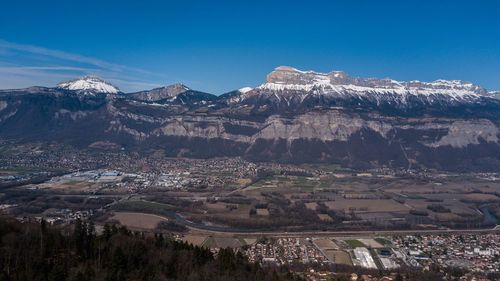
x,y
320,220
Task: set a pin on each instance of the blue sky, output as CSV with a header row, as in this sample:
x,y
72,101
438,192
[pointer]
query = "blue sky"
x,y
217,46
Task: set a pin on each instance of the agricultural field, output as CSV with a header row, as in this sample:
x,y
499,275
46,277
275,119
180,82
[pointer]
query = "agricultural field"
x,y
193,239
326,244
262,212
311,205
137,220
333,198
222,242
311,197
367,205
354,243
325,217
339,257
370,242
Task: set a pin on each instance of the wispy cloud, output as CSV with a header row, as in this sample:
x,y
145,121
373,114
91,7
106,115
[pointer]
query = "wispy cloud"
x,y
52,68
27,65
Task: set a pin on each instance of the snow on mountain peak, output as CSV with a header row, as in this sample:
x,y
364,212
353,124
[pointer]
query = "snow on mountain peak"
x,y
90,84
245,90
286,78
494,94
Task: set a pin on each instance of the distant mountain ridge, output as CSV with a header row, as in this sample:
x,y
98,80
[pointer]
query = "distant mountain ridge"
x,y
161,93
287,87
290,78
294,116
173,94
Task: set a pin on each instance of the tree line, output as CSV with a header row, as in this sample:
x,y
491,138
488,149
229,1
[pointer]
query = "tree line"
x,y
37,251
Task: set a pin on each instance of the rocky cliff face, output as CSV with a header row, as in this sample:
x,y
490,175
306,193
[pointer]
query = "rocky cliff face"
x,y
289,89
159,94
295,116
288,78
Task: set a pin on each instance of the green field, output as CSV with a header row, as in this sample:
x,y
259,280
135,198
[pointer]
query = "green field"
x,y
383,241
354,243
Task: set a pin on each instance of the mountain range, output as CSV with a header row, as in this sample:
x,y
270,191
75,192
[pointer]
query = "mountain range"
x,y
295,116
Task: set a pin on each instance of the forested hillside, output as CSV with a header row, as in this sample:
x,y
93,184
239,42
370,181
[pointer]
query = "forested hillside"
x,y
40,252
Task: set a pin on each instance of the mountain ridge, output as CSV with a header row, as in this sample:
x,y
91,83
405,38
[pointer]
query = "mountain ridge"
x,y
368,129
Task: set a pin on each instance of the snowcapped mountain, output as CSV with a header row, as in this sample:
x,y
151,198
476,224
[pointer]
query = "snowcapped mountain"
x,y
288,78
290,87
89,85
295,116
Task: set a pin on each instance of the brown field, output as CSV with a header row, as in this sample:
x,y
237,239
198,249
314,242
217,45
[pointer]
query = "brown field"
x,y
228,242
359,196
376,216
222,242
370,243
339,257
367,205
243,182
472,197
218,207
138,220
250,241
326,244
263,212
196,240
446,217
311,205
480,197
325,217
457,207
417,204
73,185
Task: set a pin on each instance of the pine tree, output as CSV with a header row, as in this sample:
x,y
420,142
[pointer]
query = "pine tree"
x,y
107,232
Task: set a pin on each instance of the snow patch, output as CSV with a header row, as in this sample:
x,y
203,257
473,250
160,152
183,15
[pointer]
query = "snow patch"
x,y
245,90
90,84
